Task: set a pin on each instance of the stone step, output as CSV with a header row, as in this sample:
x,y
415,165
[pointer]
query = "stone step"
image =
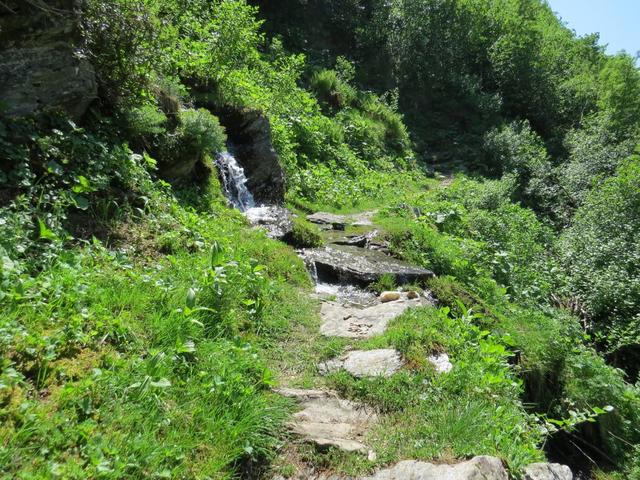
x,y
365,363
329,421
346,321
339,222
348,264
477,468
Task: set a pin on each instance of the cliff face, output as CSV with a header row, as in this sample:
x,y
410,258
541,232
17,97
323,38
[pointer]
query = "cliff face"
x,y
40,64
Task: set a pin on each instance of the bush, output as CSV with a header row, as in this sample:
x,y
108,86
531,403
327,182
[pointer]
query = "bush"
x,y
601,254
200,132
145,121
332,90
123,41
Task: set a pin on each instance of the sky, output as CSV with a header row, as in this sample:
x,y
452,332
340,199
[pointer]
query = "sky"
x,y
617,21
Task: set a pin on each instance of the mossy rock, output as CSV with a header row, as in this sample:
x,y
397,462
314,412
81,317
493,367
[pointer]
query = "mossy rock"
x,y
449,292
303,235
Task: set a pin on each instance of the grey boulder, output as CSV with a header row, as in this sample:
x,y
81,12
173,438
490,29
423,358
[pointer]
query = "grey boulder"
x,y
478,468
365,363
547,471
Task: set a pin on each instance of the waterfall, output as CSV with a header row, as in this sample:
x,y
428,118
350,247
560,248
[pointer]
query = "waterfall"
x,y
235,182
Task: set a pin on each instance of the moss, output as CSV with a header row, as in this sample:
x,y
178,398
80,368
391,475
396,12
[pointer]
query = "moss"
x,y
303,234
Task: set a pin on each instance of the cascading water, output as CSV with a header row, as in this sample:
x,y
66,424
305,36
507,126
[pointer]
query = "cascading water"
x,y
235,182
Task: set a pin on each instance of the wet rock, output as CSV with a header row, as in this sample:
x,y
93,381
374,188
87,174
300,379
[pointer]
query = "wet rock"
x,y
389,296
329,421
547,471
39,64
276,220
250,133
345,321
351,295
478,468
440,362
365,363
340,222
330,220
357,265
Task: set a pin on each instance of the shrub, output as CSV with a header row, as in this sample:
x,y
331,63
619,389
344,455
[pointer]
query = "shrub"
x,y
332,90
122,39
601,253
145,121
200,131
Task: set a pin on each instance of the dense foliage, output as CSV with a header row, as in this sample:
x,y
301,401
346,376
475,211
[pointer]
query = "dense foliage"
x,y
142,323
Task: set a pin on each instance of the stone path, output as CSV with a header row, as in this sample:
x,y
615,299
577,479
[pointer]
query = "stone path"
x,y
340,320
325,419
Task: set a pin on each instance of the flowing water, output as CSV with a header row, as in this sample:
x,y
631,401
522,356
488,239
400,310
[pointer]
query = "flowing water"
x,y
235,182
235,188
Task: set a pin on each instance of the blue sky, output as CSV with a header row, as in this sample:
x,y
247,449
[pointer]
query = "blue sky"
x,y
617,21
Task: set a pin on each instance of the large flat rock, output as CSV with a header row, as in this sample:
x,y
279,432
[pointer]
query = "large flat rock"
x,y
365,363
329,421
478,468
346,321
339,222
358,265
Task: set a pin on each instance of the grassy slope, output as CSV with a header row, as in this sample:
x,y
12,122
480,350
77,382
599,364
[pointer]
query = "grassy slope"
x,y
111,374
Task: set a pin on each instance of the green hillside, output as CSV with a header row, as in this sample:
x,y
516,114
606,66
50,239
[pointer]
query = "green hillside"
x,y
147,327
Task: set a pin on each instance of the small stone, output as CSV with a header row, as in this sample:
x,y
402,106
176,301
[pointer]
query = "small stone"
x,y
366,363
440,362
547,471
411,294
389,296
372,456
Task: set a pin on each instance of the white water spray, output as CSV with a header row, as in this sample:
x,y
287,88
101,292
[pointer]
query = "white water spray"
x,y
235,182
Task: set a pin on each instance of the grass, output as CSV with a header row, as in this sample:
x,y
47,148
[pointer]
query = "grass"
x,y
109,370
154,356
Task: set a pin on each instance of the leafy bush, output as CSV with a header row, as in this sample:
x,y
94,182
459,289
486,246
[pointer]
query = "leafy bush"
x,y
331,89
601,253
124,41
200,132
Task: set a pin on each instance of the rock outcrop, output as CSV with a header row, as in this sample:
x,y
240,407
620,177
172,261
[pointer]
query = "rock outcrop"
x,y
249,132
275,220
360,266
339,222
40,66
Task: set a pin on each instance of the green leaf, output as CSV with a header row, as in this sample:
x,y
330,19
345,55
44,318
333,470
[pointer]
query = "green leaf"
x,y
217,254
45,233
81,202
191,298
162,383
